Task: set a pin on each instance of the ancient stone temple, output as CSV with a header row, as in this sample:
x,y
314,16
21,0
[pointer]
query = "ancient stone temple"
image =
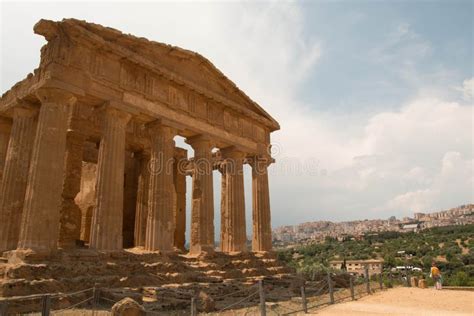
x,y
88,157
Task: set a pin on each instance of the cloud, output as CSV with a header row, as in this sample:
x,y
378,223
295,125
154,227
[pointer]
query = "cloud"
x,y
417,158
455,179
403,46
467,89
351,164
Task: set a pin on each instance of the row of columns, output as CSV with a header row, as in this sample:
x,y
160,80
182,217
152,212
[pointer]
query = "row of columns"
x,y
41,177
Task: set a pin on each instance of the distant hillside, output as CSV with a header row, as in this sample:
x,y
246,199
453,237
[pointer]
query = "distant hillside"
x,y
451,247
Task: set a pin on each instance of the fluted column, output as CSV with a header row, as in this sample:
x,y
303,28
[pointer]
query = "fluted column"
x,y
233,231
141,214
262,230
202,213
13,187
5,128
160,223
224,212
107,219
40,219
179,198
71,215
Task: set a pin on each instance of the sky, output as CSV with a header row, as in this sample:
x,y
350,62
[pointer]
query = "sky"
x,y
374,98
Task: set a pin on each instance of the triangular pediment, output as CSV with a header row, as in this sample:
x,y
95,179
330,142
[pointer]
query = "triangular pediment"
x,y
186,64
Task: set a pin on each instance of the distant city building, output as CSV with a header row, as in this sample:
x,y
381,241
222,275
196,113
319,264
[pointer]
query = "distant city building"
x,y
410,227
313,232
358,266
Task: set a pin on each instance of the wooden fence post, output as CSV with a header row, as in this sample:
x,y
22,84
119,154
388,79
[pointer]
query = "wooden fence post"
x,y
95,298
331,289
367,279
46,305
263,311
351,284
193,306
303,299
381,281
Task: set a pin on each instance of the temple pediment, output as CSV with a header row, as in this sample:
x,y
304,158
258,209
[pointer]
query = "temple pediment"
x,y
183,66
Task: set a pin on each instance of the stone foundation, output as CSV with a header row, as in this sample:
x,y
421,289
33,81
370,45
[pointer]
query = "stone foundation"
x,y
27,273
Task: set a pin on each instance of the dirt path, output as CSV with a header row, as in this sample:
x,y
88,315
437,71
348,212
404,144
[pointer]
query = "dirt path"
x,y
406,301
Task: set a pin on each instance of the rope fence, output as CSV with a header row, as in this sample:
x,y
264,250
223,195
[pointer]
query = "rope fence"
x,y
275,295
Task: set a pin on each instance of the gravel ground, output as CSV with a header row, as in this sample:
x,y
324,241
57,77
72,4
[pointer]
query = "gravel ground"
x,y
406,301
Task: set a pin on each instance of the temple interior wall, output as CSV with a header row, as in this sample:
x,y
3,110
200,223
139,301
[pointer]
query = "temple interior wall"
x,y
85,199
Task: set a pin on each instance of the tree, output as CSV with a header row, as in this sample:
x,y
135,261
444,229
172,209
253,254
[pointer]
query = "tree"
x,y
389,261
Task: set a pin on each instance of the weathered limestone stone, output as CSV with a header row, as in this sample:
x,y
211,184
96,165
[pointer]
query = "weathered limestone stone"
x,y
127,307
141,214
160,222
40,219
233,232
85,185
179,177
106,230
202,213
5,127
262,230
205,302
71,215
13,186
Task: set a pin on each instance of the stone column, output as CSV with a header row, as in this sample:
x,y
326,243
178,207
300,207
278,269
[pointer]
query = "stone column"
x,y
132,171
160,222
224,222
141,214
13,187
71,215
5,127
202,216
262,230
233,231
40,219
106,229
179,198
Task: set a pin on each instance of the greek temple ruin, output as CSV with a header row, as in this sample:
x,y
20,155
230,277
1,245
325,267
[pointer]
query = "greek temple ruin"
x,y
88,156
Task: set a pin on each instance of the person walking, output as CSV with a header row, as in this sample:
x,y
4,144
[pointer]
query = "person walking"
x,y
435,274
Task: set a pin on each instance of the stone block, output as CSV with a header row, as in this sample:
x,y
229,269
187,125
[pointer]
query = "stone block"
x,y
127,307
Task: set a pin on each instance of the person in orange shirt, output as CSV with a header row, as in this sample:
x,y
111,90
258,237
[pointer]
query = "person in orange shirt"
x,y
435,274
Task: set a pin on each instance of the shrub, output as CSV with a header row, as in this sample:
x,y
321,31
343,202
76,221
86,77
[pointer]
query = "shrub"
x,y
460,279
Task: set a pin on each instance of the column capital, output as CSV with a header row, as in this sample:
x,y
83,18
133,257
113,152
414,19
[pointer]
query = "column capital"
x,y
117,114
24,108
258,161
54,95
25,111
157,126
200,141
232,152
